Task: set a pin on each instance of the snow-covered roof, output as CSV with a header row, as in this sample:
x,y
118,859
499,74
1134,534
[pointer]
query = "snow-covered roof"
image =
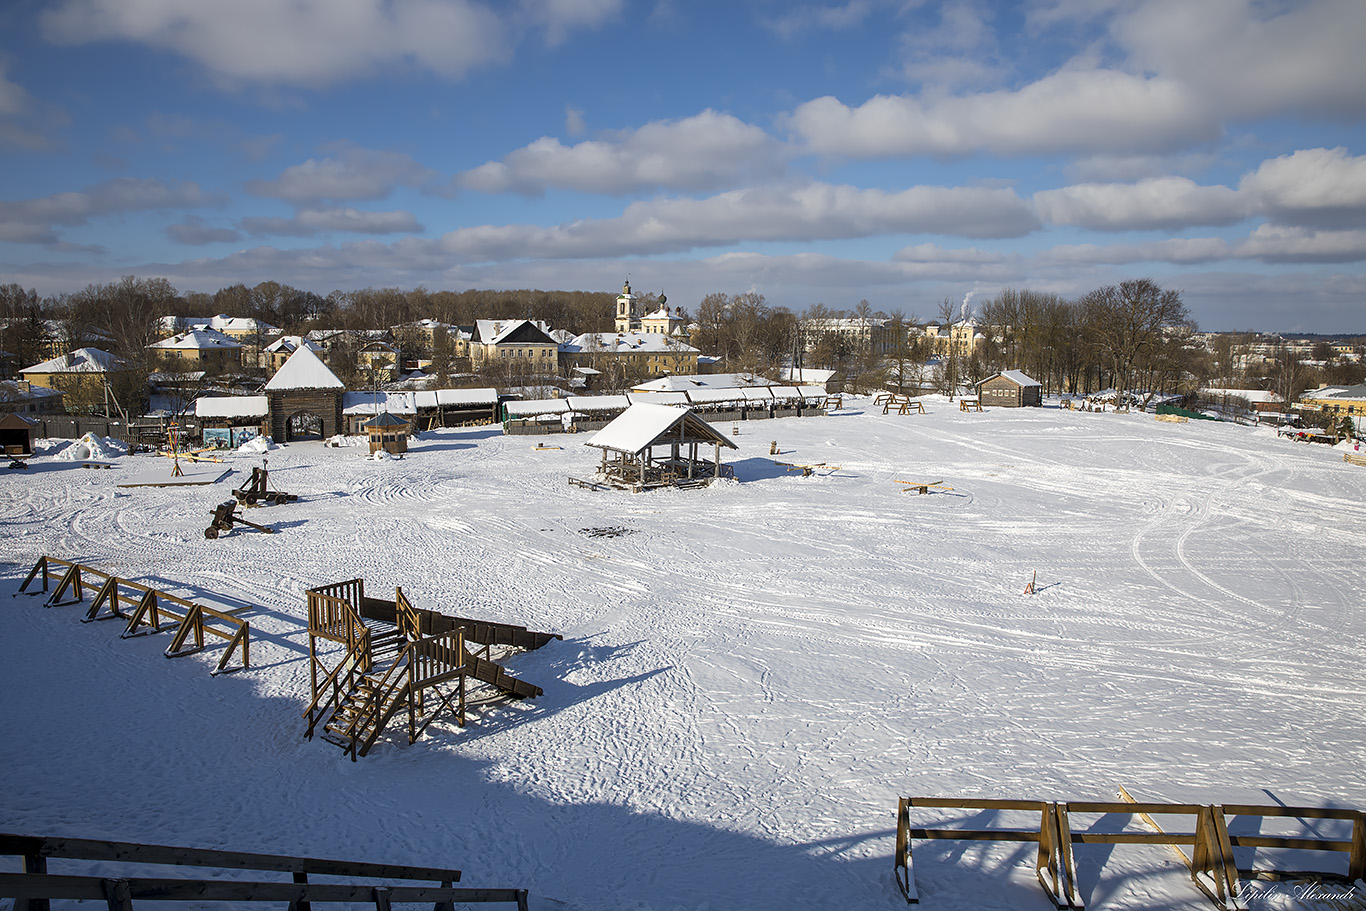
x,y
625,343
807,375
1252,395
224,323
813,392
1019,378
598,402
11,391
535,407
757,394
639,426
197,340
702,381
82,360
1343,393
495,331
433,397
232,406
708,396
660,398
304,370
292,343
375,403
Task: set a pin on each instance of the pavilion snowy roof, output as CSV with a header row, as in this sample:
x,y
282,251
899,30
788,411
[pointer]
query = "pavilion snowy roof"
x,y
639,426
304,370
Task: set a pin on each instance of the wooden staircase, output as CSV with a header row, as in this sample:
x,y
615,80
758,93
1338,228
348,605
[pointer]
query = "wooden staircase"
x,y
399,659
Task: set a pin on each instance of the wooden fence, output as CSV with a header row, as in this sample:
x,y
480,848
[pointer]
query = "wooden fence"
x,y
150,607
1211,862
34,889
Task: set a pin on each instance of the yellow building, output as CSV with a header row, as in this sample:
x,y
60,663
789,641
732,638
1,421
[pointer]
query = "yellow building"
x,y
1336,400
197,349
519,342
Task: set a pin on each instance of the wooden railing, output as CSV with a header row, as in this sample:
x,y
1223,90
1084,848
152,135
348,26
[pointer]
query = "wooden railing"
x,y
151,607
408,683
336,685
34,889
1211,862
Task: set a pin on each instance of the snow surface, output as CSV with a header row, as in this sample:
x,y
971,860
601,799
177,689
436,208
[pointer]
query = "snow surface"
x,y
750,675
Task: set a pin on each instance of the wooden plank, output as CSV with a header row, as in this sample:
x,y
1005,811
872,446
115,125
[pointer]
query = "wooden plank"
x,y
23,885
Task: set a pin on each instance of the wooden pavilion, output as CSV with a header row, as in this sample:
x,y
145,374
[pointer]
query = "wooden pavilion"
x,y
650,446
388,432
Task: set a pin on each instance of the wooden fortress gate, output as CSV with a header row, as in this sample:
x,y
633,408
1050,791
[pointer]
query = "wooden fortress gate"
x,y
1211,862
398,658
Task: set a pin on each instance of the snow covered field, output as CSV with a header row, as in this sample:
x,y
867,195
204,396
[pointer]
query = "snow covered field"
x,y
749,677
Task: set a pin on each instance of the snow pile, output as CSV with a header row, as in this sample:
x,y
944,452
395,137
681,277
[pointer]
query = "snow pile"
x,y
379,455
93,448
257,444
342,439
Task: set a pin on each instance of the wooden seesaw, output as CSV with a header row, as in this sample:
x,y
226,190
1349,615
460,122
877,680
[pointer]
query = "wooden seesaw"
x,y
922,487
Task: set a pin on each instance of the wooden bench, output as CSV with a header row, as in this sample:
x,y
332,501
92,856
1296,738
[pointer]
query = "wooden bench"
x,y
969,404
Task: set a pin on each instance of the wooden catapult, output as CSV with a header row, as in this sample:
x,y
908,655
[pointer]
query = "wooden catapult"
x,y
1211,861
398,660
225,516
257,490
807,470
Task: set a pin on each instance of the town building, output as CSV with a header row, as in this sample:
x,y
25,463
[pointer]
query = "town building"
x,y
518,342
641,353
197,349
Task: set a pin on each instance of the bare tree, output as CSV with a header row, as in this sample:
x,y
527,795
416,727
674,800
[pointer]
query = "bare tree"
x,y
1130,322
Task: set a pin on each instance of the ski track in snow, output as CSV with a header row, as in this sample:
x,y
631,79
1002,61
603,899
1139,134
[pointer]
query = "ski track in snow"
x,y
750,675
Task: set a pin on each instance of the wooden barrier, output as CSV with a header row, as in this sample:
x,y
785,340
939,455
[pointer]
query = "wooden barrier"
x,y
1173,418
1211,862
969,404
1353,459
150,608
35,888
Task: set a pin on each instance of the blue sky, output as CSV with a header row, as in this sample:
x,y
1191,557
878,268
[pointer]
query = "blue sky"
x,y
899,152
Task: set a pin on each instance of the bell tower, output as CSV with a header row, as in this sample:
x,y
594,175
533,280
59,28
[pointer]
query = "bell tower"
x,y
628,312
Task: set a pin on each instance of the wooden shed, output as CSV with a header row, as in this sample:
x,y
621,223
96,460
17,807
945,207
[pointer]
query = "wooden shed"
x,y
650,445
16,435
388,432
1010,389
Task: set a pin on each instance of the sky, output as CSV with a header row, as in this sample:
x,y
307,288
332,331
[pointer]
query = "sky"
x,y
904,153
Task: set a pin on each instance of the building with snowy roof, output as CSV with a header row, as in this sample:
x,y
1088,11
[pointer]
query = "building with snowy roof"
x,y
278,351
305,399
520,342
1336,400
1010,389
649,353
650,446
197,349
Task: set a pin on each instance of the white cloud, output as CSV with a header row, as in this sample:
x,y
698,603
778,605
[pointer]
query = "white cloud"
x,y
707,151
1167,203
1094,111
795,20
1278,244
574,123
308,222
32,220
558,18
302,42
350,174
1180,250
806,213
1312,187
1254,59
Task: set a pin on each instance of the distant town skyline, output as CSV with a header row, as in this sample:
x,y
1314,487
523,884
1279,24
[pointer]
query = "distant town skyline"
x,y
902,153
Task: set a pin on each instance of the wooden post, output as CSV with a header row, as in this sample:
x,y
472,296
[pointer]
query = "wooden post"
x,y
33,863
